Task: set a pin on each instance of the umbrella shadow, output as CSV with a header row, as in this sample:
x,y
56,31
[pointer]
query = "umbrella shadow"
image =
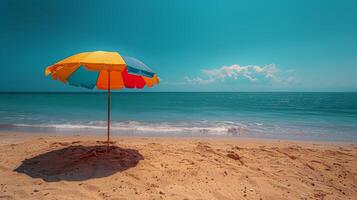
x,y
77,163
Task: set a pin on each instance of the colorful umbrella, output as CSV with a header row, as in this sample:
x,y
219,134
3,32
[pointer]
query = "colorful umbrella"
x,y
104,70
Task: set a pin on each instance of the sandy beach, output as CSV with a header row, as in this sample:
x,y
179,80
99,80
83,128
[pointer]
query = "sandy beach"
x,y
36,166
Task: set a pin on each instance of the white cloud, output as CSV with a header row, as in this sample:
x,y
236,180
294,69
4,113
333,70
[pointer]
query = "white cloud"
x,y
252,73
197,80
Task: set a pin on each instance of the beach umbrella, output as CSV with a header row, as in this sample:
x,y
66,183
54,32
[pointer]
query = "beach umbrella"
x,y
104,71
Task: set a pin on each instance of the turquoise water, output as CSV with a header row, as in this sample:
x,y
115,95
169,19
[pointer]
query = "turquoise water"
x,y
306,116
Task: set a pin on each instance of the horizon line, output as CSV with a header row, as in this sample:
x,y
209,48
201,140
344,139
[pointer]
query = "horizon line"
x,y
116,91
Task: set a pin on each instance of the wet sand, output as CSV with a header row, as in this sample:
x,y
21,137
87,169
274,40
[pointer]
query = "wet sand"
x,y
38,166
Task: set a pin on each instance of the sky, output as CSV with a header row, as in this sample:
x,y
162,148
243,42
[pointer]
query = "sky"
x,y
200,45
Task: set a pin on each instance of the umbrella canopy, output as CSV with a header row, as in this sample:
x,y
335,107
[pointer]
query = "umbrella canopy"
x,y
93,69
103,70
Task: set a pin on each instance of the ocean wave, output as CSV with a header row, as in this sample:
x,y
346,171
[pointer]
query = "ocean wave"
x,y
201,127
191,128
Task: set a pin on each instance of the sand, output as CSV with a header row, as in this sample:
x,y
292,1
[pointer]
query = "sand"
x,y
37,166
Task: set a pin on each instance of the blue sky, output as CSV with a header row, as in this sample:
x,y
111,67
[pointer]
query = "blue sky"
x,y
199,45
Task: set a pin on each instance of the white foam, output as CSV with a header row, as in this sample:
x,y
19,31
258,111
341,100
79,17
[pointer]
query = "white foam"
x,y
200,127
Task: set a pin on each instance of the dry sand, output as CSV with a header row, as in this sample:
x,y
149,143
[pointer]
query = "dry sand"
x,y
34,166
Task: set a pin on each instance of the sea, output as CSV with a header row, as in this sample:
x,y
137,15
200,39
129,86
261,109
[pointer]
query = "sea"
x,y
271,115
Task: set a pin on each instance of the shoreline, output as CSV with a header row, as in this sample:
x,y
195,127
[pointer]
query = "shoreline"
x,y
178,136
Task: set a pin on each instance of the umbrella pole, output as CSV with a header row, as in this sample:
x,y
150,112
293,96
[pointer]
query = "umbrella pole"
x,y
108,110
